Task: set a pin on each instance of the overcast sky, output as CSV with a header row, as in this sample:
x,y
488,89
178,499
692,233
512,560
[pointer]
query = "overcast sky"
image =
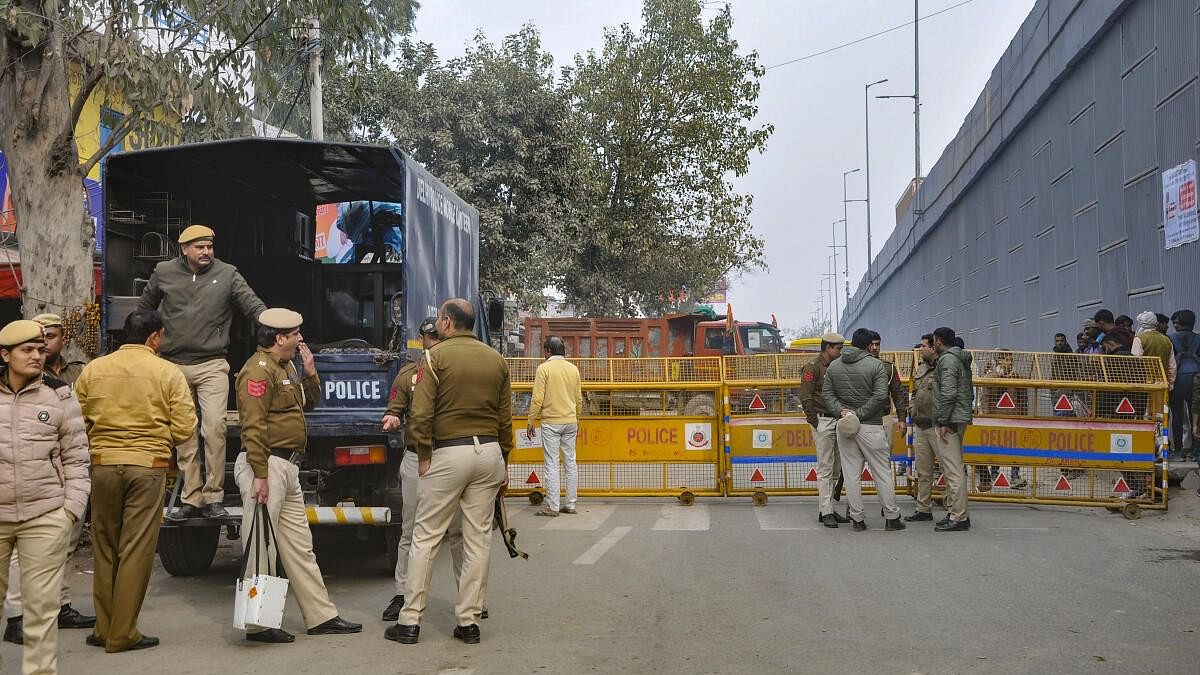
x,y
816,106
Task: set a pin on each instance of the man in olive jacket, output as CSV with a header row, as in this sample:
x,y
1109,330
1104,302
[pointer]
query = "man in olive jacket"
x,y
196,294
856,392
953,396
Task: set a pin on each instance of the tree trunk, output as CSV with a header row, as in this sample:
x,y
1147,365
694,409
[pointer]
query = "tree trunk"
x,y
37,137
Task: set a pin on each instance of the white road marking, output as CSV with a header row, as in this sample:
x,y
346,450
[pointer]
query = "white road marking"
x,y
775,518
601,547
692,518
589,518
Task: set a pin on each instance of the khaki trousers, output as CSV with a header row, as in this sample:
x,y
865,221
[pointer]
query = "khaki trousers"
x,y
293,538
466,478
408,515
870,444
829,467
950,456
41,543
12,600
126,514
924,445
210,387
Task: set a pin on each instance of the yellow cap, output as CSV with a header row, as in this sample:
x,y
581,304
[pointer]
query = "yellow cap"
x,y
280,318
196,233
49,320
20,332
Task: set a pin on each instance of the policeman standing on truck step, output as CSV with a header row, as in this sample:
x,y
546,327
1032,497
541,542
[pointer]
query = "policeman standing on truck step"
x,y
55,367
44,487
823,423
196,295
272,397
462,427
399,404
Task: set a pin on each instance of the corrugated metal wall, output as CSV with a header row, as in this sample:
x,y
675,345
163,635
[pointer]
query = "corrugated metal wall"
x,y
1047,204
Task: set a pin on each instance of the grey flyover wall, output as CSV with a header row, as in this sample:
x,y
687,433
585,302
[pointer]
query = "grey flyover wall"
x,y
1047,205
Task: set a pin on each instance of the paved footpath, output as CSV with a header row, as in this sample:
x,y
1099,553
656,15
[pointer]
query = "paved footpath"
x,y
649,586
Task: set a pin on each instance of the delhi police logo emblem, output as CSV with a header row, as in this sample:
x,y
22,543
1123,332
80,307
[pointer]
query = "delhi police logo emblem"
x,y
44,416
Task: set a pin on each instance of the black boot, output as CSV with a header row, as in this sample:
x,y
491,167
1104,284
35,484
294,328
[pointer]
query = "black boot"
x,y
894,525
14,632
393,609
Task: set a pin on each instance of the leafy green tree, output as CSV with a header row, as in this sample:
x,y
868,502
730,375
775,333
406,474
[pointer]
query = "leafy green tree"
x,y
668,113
179,69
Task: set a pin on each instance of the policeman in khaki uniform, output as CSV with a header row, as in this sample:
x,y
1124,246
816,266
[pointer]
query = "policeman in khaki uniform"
x,y
462,427
398,407
272,397
58,368
925,438
824,427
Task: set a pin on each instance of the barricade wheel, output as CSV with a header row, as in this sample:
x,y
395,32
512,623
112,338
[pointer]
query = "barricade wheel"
x,y
759,498
1131,511
687,498
536,498
1113,509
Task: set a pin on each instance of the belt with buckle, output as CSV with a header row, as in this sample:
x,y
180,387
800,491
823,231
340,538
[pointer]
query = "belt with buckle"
x,y
465,440
293,456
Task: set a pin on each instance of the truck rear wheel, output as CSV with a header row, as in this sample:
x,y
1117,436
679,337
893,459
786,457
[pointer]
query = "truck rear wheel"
x,y
187,551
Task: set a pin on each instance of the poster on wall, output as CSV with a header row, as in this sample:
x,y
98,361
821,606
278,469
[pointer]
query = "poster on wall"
x,y
1180,223
346,231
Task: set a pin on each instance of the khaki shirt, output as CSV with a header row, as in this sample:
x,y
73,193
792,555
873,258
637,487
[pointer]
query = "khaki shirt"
x,y
61,369
271,402
400,399
462,389
812,375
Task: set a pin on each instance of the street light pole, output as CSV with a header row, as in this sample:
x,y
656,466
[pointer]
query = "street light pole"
x,y
917,84
833,272
867,135
846,232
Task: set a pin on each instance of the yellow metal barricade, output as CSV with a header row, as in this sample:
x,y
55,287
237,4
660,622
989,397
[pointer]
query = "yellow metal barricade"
x,y
1067,429
650,427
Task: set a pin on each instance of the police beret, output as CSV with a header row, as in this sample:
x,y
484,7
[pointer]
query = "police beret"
x,y
428,326
196,233
833,338
280,318
20,332
49,320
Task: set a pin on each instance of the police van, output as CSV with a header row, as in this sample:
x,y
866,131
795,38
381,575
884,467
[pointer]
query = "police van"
x,y
360,239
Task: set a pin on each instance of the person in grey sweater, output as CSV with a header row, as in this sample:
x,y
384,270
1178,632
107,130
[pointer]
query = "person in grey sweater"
x,y
856,392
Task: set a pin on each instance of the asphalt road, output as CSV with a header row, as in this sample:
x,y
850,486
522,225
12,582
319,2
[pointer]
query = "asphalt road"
x,y
639,586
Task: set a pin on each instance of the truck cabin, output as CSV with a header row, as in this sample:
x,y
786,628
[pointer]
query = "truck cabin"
x,y
712,338
359,239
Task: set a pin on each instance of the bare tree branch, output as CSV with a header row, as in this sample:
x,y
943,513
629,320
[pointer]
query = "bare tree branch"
x,y
114,139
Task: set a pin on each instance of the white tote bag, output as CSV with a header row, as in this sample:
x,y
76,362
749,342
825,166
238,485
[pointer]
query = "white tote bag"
x,y
258,600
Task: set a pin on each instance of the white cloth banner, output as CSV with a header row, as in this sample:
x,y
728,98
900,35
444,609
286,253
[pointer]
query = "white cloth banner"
x,y
1180,223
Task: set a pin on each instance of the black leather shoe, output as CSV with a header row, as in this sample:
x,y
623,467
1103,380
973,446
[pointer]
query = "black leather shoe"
x,y
393,609
405,635
215,510
145,643
828,520
953,526
272,636
918,516
14,632
336,626
468,634
185,512
69,617
93,641
859,525
894,525
840,518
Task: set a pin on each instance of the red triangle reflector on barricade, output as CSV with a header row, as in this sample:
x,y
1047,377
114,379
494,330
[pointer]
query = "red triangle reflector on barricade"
x,y
1001,482
1063,485
1121,485
533,479
941,481
757,477
1125,407
1063,404
1005,402
866,474
812,475
756,403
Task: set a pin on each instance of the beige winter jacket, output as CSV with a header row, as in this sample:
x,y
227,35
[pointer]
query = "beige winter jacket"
x,y
43,451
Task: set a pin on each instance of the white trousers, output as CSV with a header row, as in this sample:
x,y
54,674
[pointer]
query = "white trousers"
x,y
870,444
556,438
408,516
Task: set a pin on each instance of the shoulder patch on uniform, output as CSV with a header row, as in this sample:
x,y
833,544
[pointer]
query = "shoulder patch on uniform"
x,y
262,363
43,415
256,388
808,377
392,395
